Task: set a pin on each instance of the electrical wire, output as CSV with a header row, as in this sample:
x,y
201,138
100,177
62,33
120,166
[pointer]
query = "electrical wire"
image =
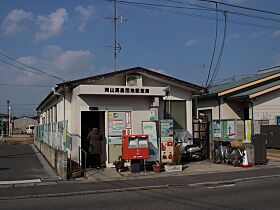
x,y
20,68
202,8
217,67
241,7
166,6
19,104
202,16
25,65
6,84
214,49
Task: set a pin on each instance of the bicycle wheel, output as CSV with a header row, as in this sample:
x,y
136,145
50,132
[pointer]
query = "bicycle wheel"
x,y
217,156
235,157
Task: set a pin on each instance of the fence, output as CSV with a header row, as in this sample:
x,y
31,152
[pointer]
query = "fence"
x,y
53,134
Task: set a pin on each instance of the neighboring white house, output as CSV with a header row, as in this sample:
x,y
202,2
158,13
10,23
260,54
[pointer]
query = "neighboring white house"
x,y
116,101
21,125
249,102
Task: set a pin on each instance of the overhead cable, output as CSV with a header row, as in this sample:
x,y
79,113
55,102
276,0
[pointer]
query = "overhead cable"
x,y
31,67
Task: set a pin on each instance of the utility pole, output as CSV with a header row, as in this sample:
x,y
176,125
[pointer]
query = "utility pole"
x,y
9,118
116,47
115,35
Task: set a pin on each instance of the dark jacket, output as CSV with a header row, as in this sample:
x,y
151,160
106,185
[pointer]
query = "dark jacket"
x,y
95,138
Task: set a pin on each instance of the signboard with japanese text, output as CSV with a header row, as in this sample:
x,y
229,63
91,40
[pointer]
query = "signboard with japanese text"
x,y
248,131
116,122
167,141
150,128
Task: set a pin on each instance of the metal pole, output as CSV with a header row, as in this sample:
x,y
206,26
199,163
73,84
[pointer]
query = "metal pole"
x,y
8,112
115,35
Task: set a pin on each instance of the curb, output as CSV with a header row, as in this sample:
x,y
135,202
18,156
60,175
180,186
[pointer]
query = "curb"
x,y
91,192
232,181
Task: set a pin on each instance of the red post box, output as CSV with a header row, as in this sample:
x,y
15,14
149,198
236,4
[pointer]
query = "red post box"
x,y
135,147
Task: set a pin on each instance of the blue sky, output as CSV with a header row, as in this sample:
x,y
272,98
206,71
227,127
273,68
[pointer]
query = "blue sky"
x,y
69,38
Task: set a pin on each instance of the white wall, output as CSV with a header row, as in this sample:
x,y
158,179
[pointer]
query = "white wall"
x,y
228,110
267,107
139,105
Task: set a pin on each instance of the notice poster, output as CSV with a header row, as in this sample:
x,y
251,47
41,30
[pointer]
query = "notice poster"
x,y
167,142
150,129
217,132
229,129
117,123
248,131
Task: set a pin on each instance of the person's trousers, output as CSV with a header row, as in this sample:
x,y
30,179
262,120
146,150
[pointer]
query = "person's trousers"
x,y
96,160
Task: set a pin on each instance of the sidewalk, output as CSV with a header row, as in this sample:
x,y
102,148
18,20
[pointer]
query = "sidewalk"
x,y
193,168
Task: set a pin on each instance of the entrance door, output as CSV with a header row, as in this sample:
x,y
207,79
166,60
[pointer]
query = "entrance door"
x,y
201,136
89,120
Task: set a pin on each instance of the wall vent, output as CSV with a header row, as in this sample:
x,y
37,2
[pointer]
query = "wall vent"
x,y
134,80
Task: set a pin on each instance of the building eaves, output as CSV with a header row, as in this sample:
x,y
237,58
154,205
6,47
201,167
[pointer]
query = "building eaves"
x,y
248,93
134,70
214,90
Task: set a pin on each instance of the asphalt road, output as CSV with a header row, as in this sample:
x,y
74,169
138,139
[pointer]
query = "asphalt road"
x,y
19,162
256,194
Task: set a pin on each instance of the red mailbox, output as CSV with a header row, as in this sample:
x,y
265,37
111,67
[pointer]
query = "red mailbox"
x,y
135,147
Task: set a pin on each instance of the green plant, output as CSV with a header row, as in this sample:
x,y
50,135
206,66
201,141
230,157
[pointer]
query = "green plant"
x,y
119,164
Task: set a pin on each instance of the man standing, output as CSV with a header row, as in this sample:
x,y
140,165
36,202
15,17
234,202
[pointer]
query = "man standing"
x,y
95,138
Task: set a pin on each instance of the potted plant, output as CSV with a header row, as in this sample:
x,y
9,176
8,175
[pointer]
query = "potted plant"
x,y
119,164
176,161
75,170
157,167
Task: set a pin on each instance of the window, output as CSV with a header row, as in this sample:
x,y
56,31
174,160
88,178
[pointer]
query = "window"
x,y
176,110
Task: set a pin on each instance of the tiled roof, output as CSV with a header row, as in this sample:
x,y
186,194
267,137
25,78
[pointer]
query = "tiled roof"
x,y
260,75
246,94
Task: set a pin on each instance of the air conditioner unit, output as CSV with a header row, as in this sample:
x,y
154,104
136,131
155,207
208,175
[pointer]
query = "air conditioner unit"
x,y
134,80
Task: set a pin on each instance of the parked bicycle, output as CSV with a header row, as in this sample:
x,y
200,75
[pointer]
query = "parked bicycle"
x,y
225,152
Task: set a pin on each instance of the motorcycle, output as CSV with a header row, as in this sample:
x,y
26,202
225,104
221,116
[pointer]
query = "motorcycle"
x,y
194,152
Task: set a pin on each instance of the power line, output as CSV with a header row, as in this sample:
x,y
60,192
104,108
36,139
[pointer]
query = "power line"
x,y
241,7
217,67
201,16
167,6
203,8
228,11
6,84
19,105
20,68
214,49
31,67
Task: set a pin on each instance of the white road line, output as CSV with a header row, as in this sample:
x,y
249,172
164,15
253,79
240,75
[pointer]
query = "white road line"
x,y
20,181
222,186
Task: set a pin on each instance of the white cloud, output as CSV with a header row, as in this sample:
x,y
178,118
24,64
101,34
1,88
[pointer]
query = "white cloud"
x,y
73,61
51,51
15,21
85,14
51,25
256,34
68,64
192,42
276,33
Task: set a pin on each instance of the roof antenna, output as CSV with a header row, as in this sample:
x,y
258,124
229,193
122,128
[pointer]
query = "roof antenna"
x,y
115,35
117,47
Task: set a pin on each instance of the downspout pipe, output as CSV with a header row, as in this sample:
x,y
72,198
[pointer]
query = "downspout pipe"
x,y
252,118
219,103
